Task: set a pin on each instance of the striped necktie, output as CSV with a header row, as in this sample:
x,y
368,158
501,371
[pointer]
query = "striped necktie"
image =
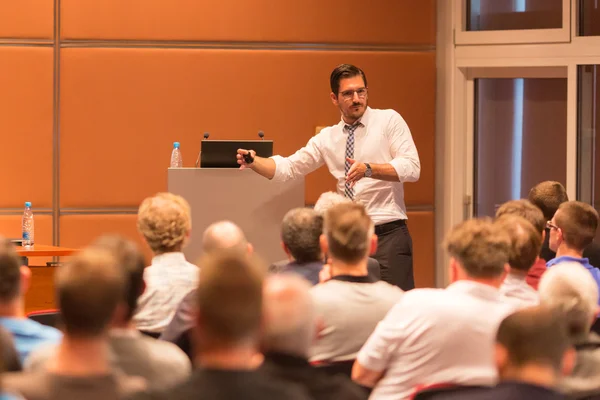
x,y
348,191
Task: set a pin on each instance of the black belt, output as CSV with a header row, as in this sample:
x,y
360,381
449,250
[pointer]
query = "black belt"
x,y
389,226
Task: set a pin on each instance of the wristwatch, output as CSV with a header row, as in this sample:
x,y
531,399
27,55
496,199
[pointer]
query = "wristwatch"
x,y
368,171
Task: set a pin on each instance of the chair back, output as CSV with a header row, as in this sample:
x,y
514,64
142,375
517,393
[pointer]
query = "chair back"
x,y
46,317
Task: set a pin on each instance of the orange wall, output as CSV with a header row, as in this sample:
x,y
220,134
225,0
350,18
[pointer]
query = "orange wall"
x,y
132,77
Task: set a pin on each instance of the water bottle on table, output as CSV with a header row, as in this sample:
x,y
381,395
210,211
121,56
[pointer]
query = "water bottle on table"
x,y
176,159
27,225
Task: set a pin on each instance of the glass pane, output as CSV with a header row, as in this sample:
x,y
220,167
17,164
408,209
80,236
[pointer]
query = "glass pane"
x,y
588,182
520,138
589,17
502,15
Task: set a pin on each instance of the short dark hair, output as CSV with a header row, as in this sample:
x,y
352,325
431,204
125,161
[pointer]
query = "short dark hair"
x,y
348,228
88,289
548,196
526,241
578,222
535,335
480,246
300,232
131,260
229,296
10,271
344,71
525,209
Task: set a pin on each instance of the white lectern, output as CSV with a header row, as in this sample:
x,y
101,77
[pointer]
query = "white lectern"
x,y
253,202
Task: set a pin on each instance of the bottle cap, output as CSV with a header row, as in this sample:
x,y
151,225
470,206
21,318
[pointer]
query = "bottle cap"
x,y
27,204
176,145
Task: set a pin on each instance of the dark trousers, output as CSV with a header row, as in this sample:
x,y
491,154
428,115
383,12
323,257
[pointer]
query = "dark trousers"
x,y
394,253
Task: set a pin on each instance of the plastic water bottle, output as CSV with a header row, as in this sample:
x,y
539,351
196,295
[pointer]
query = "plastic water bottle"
x,y
27,224
176,159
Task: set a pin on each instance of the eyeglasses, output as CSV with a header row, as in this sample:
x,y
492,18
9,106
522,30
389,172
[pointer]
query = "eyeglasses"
x,y
551,226
349,94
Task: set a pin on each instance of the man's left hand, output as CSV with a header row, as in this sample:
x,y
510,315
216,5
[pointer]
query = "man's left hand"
x,y
356,172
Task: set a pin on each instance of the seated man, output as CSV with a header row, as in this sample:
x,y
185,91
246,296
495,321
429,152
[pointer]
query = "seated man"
x,y
227,331
533,351
165,222
350,304
570,287
435,336
572,229
525,224
161,363
290,328
14,278
88,291
222,235
300,232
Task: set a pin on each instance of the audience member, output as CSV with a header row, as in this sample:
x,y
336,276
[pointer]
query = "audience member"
x,y
572,229
548,196
300,232
229,303
532,353
350,304
165,222
518,218
14,282
435,336
222,235
9,358
161,363
88,291
570,287
289,330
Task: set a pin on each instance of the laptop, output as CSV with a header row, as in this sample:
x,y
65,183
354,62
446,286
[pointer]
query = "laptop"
x,y
222,153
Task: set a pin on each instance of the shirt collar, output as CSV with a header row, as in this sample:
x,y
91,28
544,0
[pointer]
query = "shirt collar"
x,y
175,257
353,278
364,120
286,360
475,289
554,261
516,278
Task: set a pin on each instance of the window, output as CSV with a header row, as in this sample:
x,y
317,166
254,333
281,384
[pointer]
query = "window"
x,y
589,17
495,15
520,138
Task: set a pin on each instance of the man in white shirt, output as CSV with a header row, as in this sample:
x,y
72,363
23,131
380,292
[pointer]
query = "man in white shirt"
x,y
165,222
367,143
434,336
525,223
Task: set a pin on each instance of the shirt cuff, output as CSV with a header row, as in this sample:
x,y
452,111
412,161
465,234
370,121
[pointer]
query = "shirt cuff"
x,y
369,361
280,175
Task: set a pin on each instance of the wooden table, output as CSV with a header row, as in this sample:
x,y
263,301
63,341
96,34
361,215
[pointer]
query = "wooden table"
x,y
41,250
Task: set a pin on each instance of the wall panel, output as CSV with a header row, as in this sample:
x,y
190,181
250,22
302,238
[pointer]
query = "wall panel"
x,y
121,109
308,21
26,79
27,19
421,227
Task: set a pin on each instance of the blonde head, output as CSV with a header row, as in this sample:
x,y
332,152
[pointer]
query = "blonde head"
x,y
165,222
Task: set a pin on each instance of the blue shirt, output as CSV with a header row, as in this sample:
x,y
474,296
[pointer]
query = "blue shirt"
x,y
29,334
583,261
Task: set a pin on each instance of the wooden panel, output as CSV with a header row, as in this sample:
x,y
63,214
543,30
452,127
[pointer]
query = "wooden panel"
x,y
27,19
10,227
312,21
78,231
26,79
121,109
40,295
422,229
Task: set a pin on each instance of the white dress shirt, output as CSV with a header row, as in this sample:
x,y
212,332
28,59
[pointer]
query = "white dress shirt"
x,y
383,137
516,289
168,279
436,336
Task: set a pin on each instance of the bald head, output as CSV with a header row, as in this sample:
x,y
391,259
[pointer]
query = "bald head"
x,y
289,315
571,288
224,235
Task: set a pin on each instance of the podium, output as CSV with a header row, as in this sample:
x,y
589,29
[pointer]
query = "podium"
x,y
256,204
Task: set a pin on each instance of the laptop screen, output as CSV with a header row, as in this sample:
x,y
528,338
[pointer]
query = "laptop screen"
x,y
222,153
